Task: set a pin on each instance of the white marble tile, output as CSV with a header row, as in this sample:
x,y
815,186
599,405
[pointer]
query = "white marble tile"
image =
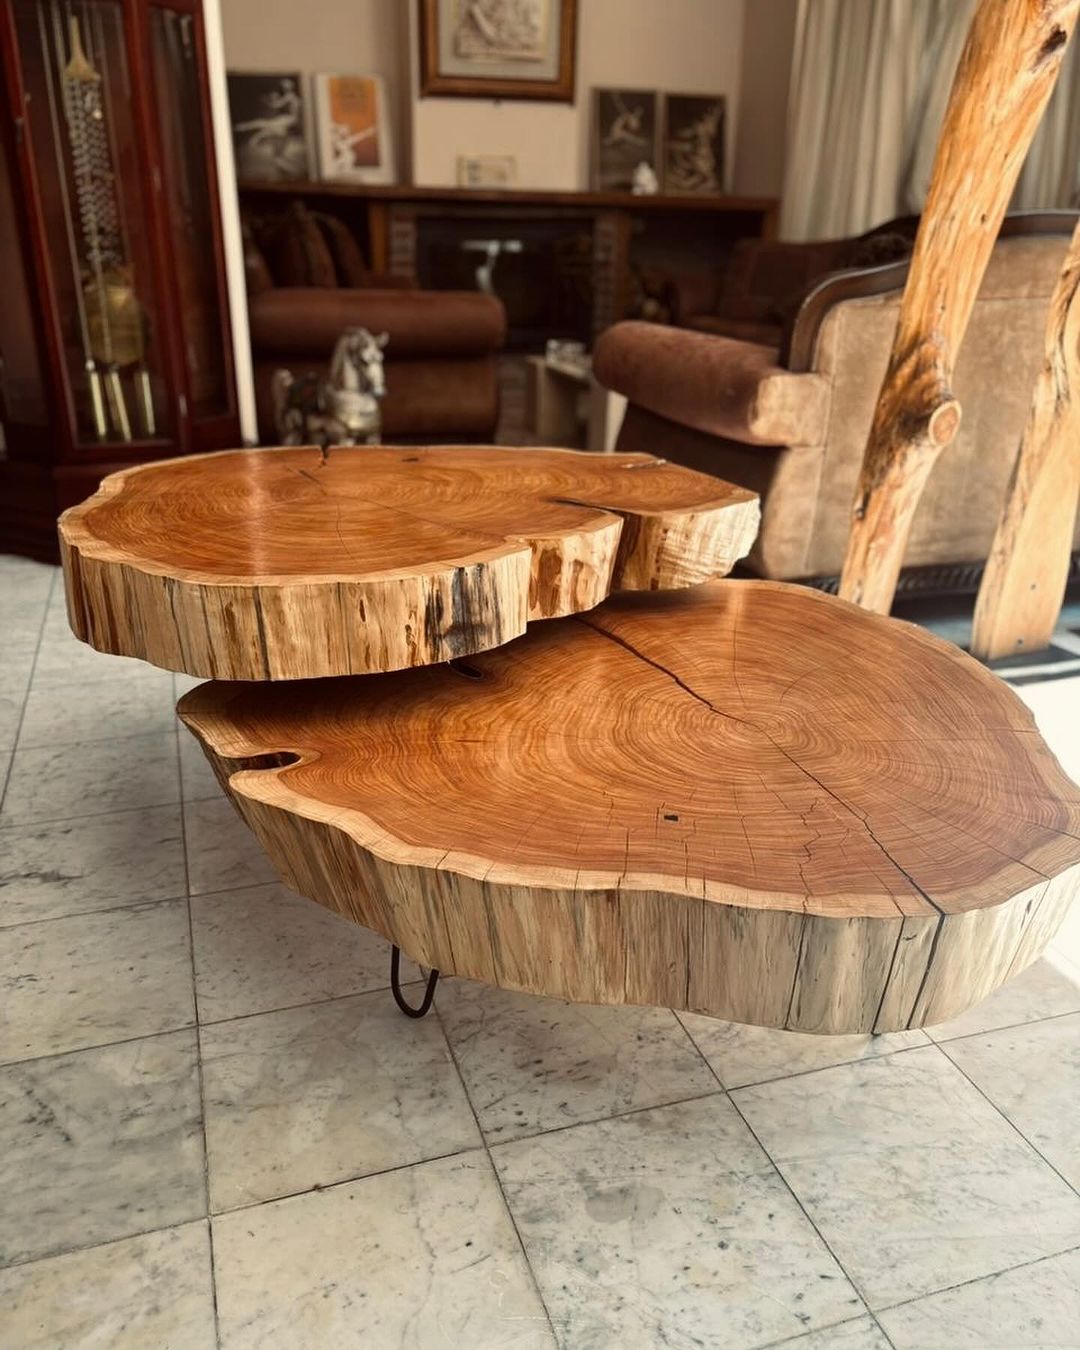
x,y
417,1259
11,708
1040,991
15,664
138,704
743,1054
24,594
1032,1074
222,852
1066,942
262,947
63,659
1034,1308
1054,704
94,978
861,1334
196,774
913,1178
64,781
67,867
312,1096
151,1291
98,1145
182,684
663,1226
533,1064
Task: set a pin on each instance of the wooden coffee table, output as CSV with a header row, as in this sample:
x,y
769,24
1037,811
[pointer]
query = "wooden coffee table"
x,y
741,798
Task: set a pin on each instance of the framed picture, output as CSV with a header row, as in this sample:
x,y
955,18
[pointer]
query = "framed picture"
x,y
354,137
486,171
624,136
498,48
269,132
694,133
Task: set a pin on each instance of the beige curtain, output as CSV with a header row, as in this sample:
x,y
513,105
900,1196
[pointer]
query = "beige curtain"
x,y
1051,174
870,81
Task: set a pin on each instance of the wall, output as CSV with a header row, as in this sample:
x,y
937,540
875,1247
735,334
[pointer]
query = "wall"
x,y
362,36
690,46
768,41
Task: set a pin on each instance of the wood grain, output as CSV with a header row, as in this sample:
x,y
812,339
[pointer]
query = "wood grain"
x,y
1028,568
286,564
1006,75
746,799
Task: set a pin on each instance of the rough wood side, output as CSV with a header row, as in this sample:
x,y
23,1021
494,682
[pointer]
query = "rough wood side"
x,y
747,799
1024,583
1006,74
287,563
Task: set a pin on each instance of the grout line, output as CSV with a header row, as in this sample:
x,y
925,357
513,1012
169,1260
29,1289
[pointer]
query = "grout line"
x,y
978,1279
1007,1026
1011,1123
787,1186
824,1068
144,903
794,1340
198,1034
105,1242
26,695
318,1187
309,1003
32,822
498,1179
102,1045
94,815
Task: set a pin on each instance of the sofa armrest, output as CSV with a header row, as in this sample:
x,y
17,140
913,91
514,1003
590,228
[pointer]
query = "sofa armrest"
x,y
291,319
713,384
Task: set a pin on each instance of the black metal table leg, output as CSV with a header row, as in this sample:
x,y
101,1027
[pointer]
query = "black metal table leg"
x,y
395,987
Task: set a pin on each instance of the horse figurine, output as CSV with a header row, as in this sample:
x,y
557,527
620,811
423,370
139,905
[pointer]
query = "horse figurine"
x,y
341,408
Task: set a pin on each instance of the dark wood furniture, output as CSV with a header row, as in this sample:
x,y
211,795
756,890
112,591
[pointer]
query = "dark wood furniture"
x,y
587,259
115,344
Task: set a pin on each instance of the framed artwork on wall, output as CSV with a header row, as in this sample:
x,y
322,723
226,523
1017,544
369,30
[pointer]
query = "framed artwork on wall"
x,y
269,133
693,143
519,49
625,129
354,136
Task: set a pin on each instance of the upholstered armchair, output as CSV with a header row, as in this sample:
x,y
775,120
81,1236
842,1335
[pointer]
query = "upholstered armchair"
x,y
791,420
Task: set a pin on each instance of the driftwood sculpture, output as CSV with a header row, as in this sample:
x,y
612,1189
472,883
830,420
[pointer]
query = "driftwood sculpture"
x,y
746,799
1005,77
284,564
1024,583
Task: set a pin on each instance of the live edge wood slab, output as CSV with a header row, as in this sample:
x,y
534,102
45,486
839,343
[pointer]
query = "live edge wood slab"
x,y
291,563
746,799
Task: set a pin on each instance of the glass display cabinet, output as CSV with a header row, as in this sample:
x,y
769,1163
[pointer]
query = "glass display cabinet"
x,y
115,345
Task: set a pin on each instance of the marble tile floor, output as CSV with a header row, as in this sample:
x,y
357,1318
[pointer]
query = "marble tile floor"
x,y
217,1130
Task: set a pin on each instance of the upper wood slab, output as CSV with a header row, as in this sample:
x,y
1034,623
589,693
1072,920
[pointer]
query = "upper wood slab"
x,y
747,799
289,563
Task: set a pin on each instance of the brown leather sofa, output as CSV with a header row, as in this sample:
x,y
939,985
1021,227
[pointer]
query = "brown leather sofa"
x,y
791,421
307,282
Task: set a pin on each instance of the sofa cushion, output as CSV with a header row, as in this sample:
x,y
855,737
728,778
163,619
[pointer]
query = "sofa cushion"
x,y
420,323
350,267
297,252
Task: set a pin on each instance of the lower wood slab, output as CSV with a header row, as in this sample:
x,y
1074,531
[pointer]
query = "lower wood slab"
x,y
747,799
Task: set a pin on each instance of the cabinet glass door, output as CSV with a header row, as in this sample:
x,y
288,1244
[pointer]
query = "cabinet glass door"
x,y
192,213
96,223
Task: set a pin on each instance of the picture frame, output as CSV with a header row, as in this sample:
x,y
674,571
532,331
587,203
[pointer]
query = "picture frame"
x,y
694,145
625,133
493,172
268,114
513,49
354,136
